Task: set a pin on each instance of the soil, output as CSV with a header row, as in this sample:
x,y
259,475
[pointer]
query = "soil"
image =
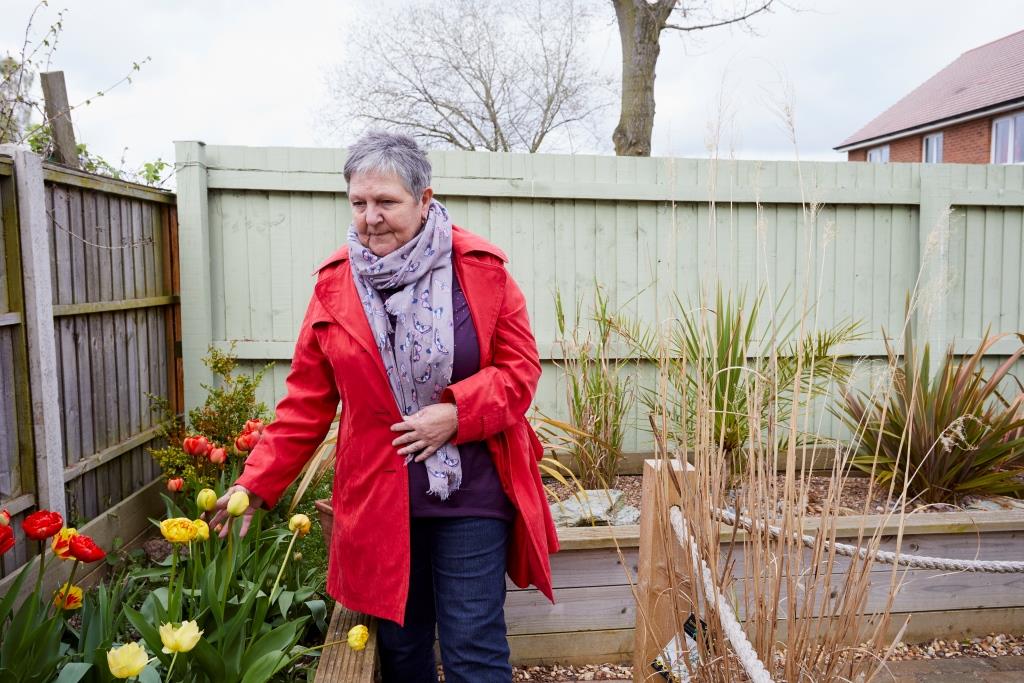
x,y
851,500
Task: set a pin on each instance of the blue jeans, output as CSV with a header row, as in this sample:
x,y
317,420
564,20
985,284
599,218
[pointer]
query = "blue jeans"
x,y
457,581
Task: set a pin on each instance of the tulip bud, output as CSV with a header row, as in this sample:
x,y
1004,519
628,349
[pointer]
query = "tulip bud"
x,y
5,517
176,484
242,443
218,456
254,426
238,503
206,500
299,524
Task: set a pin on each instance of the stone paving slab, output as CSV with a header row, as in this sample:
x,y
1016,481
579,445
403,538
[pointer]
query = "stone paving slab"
x,y
958,670
1008,669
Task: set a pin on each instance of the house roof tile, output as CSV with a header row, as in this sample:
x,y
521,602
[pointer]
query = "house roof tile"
x,y
986,76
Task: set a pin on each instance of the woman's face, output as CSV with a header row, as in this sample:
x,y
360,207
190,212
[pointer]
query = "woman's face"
x,y
385,214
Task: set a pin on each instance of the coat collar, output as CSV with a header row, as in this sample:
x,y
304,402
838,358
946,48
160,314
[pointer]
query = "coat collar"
x,y
463,243
480,271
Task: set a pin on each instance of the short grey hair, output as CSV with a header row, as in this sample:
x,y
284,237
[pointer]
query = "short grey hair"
x,y
381,151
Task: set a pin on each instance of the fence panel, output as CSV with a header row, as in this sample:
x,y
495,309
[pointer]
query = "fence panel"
x,y
112,297
108,251
841,240
16,451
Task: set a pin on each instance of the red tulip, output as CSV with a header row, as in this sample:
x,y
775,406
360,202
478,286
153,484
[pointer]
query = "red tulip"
x,y
42,524
6,539
254,426
176,484
85,549
196,445
218,456
247,441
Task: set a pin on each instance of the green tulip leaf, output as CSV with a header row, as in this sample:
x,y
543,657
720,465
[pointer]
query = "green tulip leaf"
x,y
73,672
149,675
265,667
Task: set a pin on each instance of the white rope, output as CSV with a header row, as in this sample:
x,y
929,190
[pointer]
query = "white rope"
x,y
748,658
884,556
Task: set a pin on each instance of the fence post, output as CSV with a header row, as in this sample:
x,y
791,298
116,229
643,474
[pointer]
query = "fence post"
x,y
931,315
656,623
42,349
194,250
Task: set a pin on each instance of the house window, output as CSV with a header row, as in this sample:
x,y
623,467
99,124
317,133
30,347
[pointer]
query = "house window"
x,y
932,149
879,155
1008,140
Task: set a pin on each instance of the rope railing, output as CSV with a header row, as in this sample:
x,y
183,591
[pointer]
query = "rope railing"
x,y
883,556
745,653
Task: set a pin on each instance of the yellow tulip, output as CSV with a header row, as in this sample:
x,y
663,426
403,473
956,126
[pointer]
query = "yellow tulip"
x,y
68,598
238,503
181,639
206,500
357,637
299,523
127,661
179,529
61,543
202,530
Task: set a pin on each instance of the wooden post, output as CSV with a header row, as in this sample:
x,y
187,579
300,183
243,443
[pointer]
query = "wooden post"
x,y
194,242
58,117
656,623
42,349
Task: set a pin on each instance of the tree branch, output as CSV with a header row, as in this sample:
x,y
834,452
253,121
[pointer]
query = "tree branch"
x,y
765,6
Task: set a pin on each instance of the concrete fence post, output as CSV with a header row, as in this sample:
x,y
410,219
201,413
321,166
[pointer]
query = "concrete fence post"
x,y
194,247
36,267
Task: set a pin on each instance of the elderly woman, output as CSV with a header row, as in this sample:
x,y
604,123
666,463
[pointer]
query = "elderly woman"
x,y
420,332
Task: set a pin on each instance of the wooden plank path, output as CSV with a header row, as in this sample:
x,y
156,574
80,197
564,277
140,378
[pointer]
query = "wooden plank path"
x,y
338,662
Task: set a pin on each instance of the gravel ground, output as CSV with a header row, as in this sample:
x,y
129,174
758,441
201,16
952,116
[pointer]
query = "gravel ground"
x,y
590,672
992,645
851,501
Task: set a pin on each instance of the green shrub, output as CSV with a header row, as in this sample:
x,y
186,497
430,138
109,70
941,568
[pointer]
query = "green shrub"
x,y
942,437
722,380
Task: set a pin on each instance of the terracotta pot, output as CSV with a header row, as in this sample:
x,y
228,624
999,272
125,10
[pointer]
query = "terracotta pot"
x,y
326,512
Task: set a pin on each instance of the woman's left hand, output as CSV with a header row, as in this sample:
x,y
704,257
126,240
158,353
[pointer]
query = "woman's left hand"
x,y
426,430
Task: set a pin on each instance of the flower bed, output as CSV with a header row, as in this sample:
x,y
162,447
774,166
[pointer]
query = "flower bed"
x,y
595,612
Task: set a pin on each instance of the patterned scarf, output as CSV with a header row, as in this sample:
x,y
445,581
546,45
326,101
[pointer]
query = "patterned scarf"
x,y
419,361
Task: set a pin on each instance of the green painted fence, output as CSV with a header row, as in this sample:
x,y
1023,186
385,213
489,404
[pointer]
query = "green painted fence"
x,y
852,237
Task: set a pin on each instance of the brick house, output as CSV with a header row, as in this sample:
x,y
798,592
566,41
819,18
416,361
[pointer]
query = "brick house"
x,y
971,112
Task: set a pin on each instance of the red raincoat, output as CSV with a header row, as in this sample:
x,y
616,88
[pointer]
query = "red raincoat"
x,y
336,358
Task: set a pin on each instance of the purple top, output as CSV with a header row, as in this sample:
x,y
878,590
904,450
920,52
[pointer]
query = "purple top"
x,y
480,494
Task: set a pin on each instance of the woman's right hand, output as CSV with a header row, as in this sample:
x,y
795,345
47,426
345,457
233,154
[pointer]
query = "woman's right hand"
x,y
221,520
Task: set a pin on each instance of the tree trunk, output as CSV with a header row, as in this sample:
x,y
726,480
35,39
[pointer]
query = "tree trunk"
x,y
640,25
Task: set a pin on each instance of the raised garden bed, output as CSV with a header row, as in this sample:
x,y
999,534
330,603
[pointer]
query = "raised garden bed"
x,y
594,616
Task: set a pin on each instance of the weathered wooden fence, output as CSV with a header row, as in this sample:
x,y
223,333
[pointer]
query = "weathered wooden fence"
x,y
89,328
255,222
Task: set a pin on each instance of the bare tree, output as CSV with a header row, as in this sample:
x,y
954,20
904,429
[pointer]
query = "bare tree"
x,y
641,23
472,74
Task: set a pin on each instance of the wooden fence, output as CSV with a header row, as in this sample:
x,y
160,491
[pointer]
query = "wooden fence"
x,y
255,222
89,329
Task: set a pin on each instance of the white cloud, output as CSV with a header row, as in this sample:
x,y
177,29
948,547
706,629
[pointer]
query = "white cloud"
x,y
251,73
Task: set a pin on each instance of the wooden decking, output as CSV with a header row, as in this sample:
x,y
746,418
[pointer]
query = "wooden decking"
x,y
341,664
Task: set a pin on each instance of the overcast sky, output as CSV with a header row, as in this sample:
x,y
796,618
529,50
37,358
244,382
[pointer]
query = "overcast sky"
x,y
252,73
